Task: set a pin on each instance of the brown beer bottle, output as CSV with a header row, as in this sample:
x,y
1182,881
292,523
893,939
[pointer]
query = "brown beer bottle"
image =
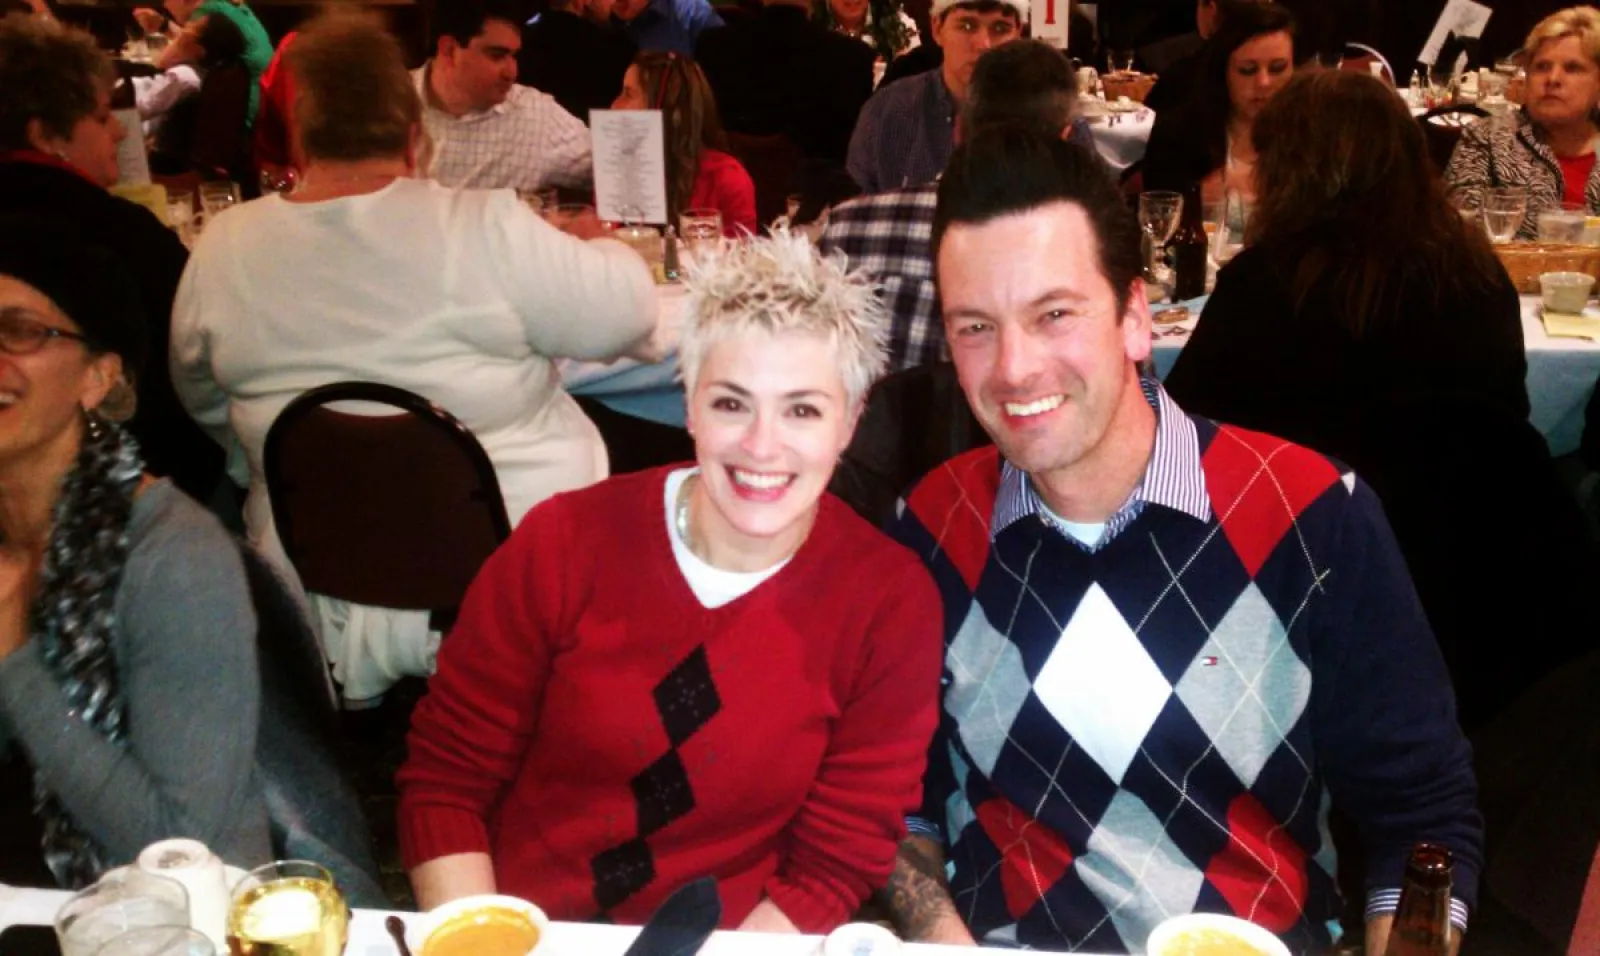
x,y
1422,923
1189,248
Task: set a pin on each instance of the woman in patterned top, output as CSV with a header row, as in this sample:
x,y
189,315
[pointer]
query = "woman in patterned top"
x,y
880,24
1548,146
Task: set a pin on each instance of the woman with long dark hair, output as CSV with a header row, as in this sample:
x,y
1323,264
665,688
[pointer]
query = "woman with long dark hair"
x,y
701,173
1353,246
1367,320
1209,139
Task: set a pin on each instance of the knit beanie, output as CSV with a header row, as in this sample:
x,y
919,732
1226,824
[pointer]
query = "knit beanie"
x,y
86,282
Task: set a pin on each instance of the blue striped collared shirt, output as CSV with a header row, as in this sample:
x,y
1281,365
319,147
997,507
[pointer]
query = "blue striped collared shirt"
x,y
1172,479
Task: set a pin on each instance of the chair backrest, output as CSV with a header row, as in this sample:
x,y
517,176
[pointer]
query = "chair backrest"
x,y
396,510
1360,56
915,420
771,162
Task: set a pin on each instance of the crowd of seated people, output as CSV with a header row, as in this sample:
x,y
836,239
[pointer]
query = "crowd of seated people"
x,y
1125,660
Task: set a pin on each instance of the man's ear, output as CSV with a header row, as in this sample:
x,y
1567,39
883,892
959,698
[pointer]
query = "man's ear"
x,y
39,138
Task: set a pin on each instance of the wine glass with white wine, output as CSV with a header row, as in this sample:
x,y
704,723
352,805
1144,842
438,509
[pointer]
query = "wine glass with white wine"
x,y
288,908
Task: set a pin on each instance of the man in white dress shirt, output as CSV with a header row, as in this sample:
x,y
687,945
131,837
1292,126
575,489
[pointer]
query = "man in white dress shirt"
x,y
486,131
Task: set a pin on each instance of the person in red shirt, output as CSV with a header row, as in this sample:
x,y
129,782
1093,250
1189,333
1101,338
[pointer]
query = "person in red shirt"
x,y
271,149
1547,145
713,669
701,173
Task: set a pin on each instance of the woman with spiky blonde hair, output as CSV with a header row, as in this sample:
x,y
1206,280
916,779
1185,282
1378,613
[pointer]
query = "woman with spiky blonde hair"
x,y
714,669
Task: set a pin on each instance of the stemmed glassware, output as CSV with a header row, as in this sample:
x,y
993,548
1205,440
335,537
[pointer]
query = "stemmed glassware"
x,y
1504,208
701,230
1159,214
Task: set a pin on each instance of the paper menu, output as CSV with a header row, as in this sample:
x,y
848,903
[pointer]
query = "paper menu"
x,y
1461,17
133,166
630,165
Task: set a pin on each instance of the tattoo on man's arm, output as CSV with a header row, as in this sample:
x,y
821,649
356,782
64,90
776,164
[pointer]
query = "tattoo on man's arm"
x,y
917,897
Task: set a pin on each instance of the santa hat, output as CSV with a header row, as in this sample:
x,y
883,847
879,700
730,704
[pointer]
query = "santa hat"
x,y
941,7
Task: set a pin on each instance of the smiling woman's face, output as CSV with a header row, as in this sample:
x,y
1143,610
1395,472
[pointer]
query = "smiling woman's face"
x,y
770,418
43,393
1563,83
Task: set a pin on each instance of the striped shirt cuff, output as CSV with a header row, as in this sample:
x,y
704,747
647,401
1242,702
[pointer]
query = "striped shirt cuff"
x,y
923,827
1385,901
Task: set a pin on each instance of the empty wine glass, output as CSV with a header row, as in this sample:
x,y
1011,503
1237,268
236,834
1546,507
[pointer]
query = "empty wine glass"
x,y
1159,212
701,230
214,198
1504,208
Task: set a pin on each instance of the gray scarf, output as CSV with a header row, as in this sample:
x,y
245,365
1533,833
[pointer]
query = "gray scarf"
x,y
74,615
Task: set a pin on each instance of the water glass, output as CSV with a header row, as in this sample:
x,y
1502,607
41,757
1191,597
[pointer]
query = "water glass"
x,y
122,900
216,197
1561,225
1504,208
1121,61
1224,240
701,230
288,908
159,941
180,216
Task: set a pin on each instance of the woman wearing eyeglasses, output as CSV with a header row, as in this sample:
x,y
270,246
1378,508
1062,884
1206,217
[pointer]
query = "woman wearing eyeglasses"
x,y
58,155
131,699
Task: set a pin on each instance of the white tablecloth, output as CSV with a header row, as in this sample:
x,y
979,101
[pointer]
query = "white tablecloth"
x,y
1122,142
368,937
1561,375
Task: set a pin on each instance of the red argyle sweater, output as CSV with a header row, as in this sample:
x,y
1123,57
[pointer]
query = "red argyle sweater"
x,y
1158,726
606,738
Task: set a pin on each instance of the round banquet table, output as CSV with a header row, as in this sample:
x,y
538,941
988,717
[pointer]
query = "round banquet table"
x,y
1121,138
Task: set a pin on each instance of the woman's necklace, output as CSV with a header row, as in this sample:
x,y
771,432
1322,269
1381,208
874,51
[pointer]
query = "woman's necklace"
x,y
681,518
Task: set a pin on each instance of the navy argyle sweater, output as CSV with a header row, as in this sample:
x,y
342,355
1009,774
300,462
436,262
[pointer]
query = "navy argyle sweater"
x,y
1159,724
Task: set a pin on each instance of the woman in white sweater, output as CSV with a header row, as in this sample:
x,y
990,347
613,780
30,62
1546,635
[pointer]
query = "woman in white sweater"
x,y
365,273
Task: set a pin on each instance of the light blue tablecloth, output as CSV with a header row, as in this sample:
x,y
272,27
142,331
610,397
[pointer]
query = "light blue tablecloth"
x,y
1561,376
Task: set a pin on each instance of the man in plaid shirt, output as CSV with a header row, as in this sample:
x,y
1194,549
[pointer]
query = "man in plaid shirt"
x,y
484,130
1025,82
1172,646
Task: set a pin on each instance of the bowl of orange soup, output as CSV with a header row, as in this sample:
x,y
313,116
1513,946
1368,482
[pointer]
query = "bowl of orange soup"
x,y
1212,934
479,926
